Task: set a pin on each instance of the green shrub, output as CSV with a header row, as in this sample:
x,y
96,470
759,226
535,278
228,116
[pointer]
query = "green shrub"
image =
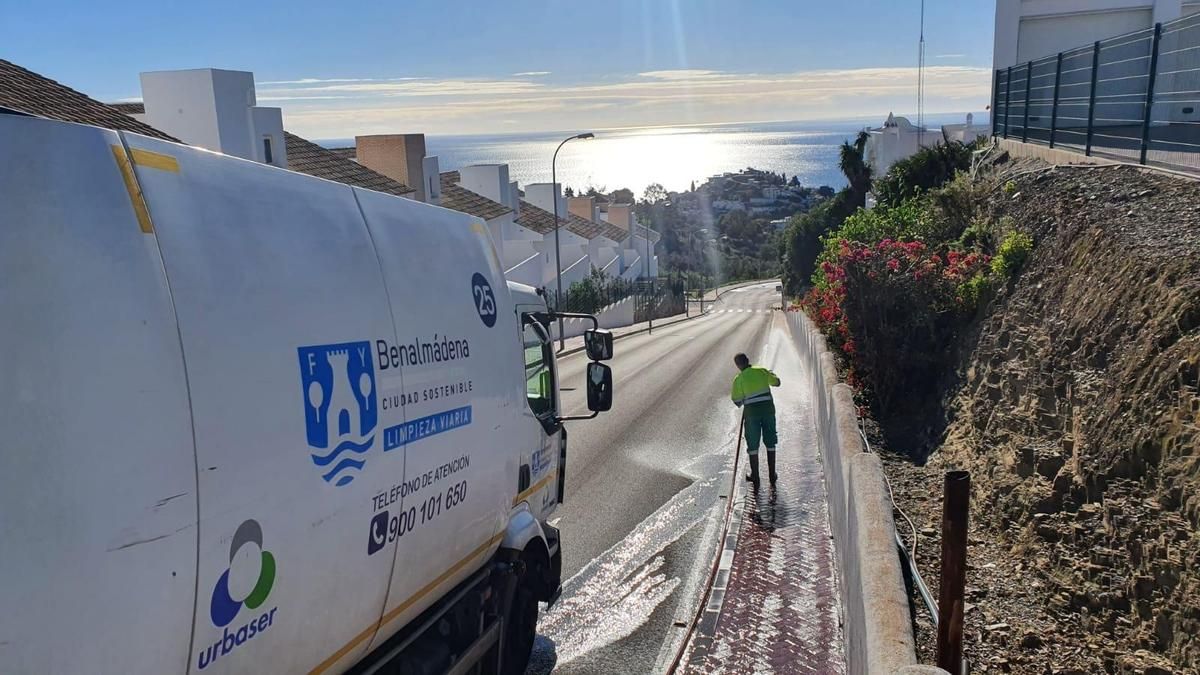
x,y
978,235
929,168
957,205
975,291
1012,254
803,239
911,220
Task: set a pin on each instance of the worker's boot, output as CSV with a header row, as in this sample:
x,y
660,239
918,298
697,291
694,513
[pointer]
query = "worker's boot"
x,y
753,475
771,465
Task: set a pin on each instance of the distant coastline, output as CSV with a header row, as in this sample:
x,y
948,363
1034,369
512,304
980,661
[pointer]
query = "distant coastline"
x,y
671,156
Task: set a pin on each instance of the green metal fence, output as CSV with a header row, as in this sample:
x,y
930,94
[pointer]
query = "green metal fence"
x,y
1134,97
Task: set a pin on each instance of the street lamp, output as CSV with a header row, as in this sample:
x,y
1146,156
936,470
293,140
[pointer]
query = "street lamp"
x,y
557,248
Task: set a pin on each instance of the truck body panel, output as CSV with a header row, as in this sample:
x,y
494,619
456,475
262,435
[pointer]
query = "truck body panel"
x,y
97,467
255,421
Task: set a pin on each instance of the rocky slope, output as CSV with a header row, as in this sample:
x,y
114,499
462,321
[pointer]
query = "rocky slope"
x,y
1076,410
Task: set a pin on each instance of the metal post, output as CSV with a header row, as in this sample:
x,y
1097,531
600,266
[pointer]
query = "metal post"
x,y
1087,150
646,266
1054,106
1028,82
1007,99
562,341
995,97
557,224
1150,91
955,507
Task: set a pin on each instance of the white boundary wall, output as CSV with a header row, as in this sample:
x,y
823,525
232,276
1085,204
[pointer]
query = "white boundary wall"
x,y
617,315
875,608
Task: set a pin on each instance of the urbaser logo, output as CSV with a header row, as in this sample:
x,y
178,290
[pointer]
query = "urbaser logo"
x,y
246,582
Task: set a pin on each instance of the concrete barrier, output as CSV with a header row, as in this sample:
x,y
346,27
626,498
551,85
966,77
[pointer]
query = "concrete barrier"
x,y
875,607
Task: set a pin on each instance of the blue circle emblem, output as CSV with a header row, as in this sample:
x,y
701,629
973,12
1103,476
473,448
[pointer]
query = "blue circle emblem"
x,y
485,299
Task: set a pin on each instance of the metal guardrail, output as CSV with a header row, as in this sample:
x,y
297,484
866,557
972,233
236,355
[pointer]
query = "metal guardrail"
x,y
1134,97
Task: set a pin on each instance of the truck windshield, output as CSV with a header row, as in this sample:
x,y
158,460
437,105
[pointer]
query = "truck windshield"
x,y
539,389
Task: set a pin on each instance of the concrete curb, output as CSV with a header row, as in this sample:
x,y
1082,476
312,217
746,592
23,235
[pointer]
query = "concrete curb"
x,y
875,606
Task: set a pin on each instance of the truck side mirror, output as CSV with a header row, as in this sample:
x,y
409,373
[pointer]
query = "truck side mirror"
x,y
599,343
599,385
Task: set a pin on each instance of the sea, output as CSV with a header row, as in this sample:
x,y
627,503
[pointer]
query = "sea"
x,y
672,156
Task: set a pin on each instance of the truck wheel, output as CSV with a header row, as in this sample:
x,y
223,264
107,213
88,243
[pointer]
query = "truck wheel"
x,y
521,627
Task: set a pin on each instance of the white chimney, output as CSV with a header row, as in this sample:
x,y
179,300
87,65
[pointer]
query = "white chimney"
x,y
489,180
514,197
542,195
433,180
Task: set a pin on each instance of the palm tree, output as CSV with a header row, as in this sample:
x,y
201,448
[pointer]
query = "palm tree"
x,y
857,171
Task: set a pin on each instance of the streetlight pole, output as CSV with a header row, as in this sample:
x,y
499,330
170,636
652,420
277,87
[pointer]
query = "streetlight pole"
x,y
557,249
646,234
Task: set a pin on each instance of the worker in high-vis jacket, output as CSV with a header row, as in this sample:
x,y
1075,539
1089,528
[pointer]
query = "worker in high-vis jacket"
x,y
752,389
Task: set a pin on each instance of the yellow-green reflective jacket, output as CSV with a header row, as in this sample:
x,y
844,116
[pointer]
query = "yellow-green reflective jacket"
x,y
753,385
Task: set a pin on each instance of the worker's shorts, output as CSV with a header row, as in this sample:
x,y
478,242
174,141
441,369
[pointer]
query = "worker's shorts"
x,y
760,423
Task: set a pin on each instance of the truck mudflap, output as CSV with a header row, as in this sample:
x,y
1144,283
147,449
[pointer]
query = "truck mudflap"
x,y
553,576
562,465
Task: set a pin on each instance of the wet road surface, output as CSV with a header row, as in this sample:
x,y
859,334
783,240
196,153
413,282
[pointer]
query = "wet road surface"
x,y
646,488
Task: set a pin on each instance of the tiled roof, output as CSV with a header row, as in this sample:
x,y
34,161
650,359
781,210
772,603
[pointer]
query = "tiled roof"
x,y
642,230
612,231
542,221
130,108
588,229
28,92
304,156
308,157
536,219
345,153
458,198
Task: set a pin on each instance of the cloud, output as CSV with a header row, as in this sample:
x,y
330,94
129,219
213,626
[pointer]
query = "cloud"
x,y
314,80
680,74
532,73
347,107
398,87
949,56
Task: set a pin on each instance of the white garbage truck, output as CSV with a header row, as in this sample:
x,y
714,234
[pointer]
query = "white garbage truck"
x,y
252,421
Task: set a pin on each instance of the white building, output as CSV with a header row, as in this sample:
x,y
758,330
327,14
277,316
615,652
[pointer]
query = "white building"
x,y
965,133
214,109
1027,30
896,139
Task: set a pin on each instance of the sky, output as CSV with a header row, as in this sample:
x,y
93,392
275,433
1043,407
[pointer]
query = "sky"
x,y
344,68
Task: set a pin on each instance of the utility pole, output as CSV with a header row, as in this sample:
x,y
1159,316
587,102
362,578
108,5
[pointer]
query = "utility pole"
x,y
646,266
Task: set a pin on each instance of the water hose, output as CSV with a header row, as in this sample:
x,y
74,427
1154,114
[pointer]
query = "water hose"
x,y
712,573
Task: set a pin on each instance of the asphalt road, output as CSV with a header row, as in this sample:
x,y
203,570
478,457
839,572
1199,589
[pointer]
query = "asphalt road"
x,y
646,487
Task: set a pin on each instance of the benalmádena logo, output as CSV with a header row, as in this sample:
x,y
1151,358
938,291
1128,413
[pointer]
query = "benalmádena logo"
x,y
338,385
245,583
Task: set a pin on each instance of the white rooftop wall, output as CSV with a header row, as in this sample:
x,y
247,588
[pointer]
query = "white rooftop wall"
x,y
214,109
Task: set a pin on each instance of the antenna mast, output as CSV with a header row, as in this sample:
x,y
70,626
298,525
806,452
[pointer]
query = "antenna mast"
x,y
921,81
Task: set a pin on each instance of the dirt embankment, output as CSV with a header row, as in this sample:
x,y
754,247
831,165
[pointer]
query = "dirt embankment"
x,y
1076,410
